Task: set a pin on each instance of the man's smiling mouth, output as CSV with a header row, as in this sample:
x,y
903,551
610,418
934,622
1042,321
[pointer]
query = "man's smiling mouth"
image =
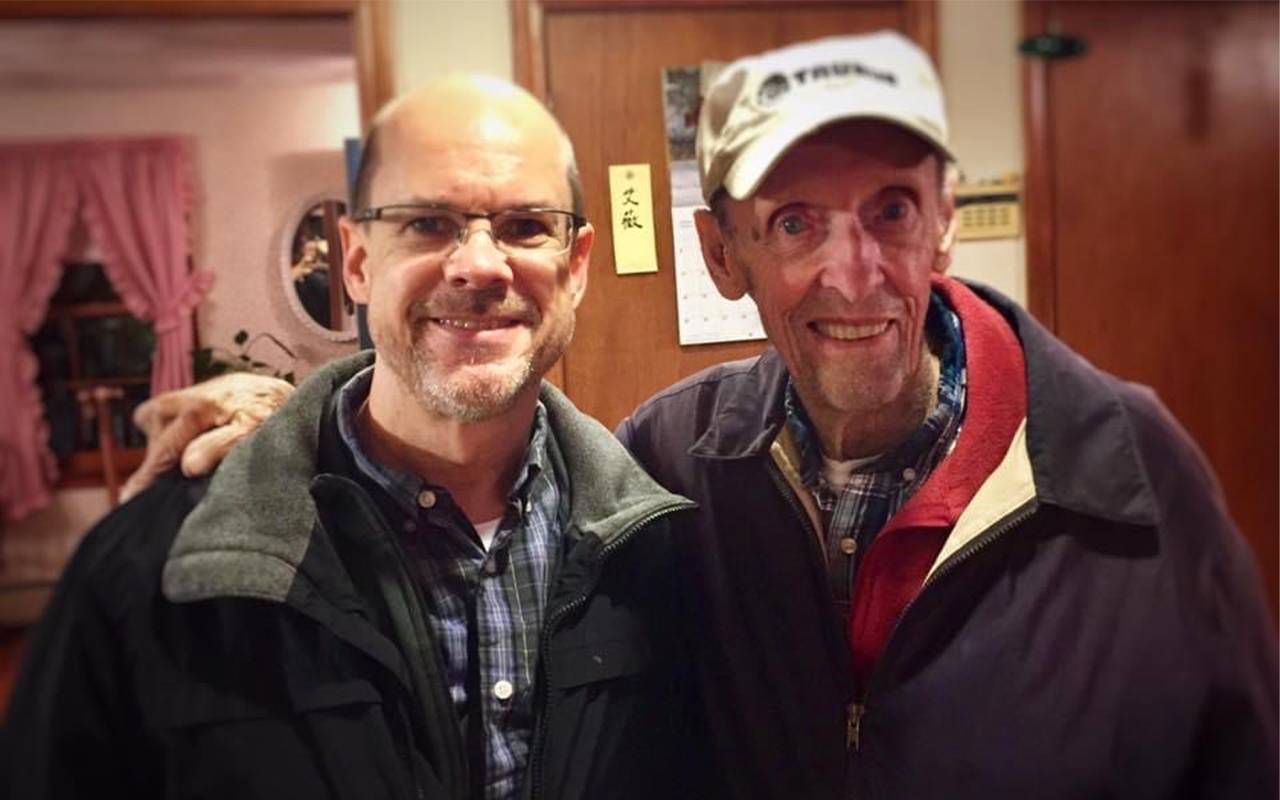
x,y
848,332
473,324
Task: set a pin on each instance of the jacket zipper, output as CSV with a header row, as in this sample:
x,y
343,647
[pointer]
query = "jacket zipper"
x,y
553,620
857,710
854,711
417,616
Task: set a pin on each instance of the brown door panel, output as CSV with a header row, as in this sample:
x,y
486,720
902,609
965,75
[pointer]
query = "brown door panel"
x,y
1166,199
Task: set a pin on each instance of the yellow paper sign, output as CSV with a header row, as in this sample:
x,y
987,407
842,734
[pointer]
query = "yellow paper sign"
x,y
634,249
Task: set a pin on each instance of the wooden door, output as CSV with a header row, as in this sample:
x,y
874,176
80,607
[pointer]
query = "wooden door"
x,y
1153,220
599,66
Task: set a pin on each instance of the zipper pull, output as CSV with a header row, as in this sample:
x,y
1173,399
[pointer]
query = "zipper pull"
x,y
853,726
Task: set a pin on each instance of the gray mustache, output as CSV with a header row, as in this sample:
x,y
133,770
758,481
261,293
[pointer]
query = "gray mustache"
x,y
492,301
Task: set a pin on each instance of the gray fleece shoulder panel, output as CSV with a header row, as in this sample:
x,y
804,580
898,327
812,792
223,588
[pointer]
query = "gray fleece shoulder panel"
x,y
609,492
249,534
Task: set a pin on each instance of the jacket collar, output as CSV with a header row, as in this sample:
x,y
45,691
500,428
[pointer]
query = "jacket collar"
x,y
747,419
251,534
1083,450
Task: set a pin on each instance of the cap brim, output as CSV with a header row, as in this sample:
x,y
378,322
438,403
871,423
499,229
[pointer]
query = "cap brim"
x,y
758,158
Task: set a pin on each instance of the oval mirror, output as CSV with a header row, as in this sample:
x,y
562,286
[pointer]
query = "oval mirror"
x,y
312,270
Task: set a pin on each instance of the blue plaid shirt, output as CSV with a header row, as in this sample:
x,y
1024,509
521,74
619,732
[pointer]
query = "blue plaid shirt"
x,y
855,513
508,584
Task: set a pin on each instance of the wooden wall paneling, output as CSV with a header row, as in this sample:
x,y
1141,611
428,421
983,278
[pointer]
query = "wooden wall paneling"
x,y
1165,164
603,65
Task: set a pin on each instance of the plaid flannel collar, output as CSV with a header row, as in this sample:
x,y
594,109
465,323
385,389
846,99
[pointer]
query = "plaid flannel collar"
x,y
404,487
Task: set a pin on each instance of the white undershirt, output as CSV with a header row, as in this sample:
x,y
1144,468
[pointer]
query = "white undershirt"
x,y
837,473
487,530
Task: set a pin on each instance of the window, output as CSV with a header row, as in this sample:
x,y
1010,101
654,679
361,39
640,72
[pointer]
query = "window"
x,y
95,368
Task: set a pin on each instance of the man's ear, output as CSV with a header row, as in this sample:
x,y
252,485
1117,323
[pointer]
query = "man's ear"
x,y
355,252
580,262
725,270
948,222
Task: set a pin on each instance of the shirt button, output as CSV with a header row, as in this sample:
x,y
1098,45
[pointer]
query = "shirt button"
x,y
503,690
491,567
848,546
426,498
908,474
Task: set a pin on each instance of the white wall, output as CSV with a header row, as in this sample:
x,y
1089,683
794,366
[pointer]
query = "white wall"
x,y
980,69
433,37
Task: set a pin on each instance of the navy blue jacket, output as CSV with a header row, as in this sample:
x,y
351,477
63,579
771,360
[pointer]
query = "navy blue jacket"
x,y
1098,631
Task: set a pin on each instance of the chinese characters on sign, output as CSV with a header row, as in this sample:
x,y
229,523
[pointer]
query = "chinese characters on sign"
x,y
631,201
629,219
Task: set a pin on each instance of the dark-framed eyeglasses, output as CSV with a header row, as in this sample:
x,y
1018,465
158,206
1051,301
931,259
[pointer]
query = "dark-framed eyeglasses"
x,y
439,230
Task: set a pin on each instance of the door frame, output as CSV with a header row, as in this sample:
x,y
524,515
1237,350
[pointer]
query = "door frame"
x,y
370,28
1042,267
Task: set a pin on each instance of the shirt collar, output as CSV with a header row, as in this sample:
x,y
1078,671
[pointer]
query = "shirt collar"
x,y
403,486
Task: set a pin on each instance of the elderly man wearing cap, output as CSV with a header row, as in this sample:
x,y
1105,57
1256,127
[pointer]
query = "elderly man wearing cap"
x,y
937,553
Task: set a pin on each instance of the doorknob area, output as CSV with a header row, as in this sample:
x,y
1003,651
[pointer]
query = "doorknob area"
x,y
1053,46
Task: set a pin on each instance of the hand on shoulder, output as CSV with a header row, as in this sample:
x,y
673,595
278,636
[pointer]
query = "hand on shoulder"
x,y
197,426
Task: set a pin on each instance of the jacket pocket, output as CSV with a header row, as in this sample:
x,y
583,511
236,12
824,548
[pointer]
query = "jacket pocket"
x,y
329,741
198,704
592,662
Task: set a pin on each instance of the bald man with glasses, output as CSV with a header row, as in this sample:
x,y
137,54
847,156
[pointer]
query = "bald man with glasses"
x,y
428,576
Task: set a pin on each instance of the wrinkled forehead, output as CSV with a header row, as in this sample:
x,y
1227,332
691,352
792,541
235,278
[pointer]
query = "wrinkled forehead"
x,y
861,148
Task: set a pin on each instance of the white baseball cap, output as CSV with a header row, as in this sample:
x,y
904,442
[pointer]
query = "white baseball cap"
x,y
759,106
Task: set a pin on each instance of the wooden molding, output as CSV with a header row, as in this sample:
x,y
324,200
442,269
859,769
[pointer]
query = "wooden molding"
x,y
1038,187
920,22
375,76
88,9
527,56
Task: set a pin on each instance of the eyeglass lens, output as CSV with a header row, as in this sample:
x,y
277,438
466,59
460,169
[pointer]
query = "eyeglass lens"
x,y
440,230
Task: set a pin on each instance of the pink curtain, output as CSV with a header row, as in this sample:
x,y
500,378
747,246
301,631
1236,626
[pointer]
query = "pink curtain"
x,y
134,197
37,209
136,200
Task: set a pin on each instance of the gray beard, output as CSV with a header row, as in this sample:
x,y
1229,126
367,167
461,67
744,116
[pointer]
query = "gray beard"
x,y
471,400
471,397
472,393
